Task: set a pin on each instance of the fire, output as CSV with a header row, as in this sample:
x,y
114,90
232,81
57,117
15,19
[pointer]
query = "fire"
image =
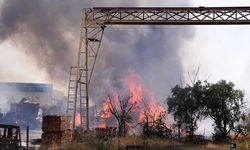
x,y
78,119
106,112
135,88
185,132
139,92
141,95
155,109
102,125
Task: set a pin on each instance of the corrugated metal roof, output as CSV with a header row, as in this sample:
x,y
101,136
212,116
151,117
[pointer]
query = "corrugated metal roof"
x,y
26,87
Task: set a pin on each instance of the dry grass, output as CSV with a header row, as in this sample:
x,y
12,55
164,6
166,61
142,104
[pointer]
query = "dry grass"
x,y
69,146
149,144
149,141
245,143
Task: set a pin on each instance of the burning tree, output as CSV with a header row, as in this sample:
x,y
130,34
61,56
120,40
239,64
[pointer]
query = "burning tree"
x,y
155,126
117,106
121,109
153,120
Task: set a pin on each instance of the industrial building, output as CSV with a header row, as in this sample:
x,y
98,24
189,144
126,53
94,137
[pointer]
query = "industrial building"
x,y
35,92
24,103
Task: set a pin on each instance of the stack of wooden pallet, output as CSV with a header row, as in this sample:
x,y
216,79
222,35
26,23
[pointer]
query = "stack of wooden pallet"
x,y
56,129
105,133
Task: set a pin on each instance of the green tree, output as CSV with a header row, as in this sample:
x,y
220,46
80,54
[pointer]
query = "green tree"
x,y
187,106
224,105
176,106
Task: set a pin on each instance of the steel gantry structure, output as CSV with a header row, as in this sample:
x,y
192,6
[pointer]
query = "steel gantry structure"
x,y
95,20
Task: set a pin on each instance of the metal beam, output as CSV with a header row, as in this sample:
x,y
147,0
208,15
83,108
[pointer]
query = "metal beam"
x,y
167,15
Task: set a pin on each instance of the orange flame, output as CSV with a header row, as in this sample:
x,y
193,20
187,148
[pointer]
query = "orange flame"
x,y
138,91
78,119
106,112
155,109
102,125
185,132
135,88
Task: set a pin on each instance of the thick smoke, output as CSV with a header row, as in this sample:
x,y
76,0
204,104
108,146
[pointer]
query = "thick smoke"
x,y
48,30
152,51
41,28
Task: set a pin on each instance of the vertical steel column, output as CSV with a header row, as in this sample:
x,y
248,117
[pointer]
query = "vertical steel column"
x,y
87,77
77,75
81,122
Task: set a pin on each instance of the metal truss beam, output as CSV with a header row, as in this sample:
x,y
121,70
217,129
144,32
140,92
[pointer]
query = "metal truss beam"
x,y
168,15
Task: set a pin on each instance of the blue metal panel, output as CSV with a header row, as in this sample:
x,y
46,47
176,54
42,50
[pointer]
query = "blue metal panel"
x,y
26,87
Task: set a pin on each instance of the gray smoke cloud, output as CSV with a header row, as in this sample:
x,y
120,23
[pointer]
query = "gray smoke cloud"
x,y
48,30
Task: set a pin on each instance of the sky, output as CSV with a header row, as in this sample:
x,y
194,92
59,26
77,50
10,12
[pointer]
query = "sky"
x,y
222,52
